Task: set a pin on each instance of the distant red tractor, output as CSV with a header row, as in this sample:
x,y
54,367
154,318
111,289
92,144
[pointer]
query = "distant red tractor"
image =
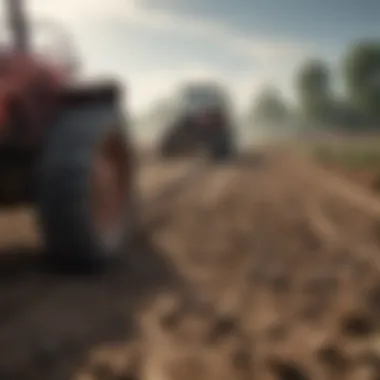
x,y
202,120
64,147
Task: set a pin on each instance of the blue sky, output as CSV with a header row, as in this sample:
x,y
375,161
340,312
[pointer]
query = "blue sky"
x,y
309,20
154,44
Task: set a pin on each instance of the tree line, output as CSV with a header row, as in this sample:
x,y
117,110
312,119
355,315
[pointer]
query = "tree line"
x,y
319,103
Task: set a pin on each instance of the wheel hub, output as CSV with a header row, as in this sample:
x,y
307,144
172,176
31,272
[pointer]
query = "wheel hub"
x,y
110,190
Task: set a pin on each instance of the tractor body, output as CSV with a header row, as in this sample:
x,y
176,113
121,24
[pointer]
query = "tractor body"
x,y
64,148
29,101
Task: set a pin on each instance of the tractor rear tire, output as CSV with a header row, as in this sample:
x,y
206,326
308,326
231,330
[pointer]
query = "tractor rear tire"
x,y
222,148
85,188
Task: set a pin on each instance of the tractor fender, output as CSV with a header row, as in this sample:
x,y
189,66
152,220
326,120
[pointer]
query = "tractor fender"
x,y
108,91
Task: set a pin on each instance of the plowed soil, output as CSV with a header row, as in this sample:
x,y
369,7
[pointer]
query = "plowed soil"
x,y
265,268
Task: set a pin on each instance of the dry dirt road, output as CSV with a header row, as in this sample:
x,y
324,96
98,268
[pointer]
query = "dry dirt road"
x,y
260,269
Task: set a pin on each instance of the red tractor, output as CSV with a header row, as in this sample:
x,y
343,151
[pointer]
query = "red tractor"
x,y
202,119
64,148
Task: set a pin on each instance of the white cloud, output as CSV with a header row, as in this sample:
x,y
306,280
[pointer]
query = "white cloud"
x,y
214,31
89,19
90,13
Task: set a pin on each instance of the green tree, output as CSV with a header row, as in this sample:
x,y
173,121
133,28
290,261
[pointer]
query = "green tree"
x,y
269,107
314,90
361,69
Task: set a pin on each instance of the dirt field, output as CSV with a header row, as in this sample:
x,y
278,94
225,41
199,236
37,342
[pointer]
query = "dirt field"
x,y
356,158
264,269
367,176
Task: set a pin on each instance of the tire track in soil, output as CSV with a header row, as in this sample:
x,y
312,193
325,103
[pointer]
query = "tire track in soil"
x,y
343,219
350,216
234,278
30,296
280,296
